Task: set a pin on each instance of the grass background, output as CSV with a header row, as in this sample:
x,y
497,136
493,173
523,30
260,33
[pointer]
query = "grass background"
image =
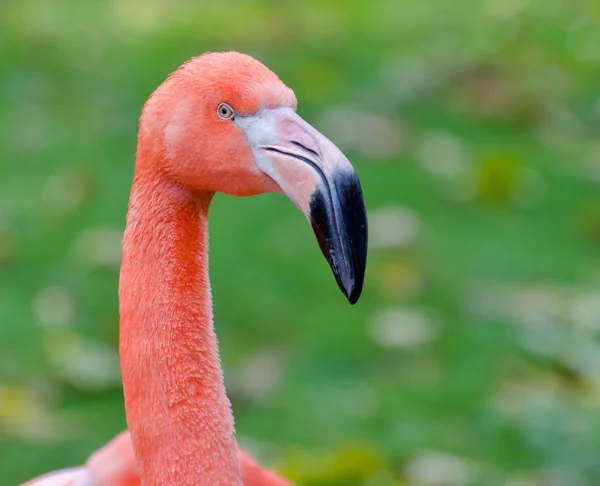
x,y
473,356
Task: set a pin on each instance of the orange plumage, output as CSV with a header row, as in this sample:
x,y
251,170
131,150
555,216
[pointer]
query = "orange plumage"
x,y
225,123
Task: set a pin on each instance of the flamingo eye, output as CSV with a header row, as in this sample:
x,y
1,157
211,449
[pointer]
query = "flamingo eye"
x,y
225,111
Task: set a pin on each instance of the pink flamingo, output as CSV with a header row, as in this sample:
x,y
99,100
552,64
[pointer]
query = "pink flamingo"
x,y
223,122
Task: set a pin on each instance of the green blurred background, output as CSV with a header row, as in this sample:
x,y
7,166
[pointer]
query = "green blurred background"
x,y
473,357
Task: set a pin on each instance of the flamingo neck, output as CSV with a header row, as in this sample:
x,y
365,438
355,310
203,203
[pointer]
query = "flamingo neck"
x,y
177,410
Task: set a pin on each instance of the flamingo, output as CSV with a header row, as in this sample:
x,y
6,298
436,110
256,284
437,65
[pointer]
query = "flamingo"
x,y
222,122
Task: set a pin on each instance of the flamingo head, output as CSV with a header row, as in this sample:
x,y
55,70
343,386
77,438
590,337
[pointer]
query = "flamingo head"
x,y
225,123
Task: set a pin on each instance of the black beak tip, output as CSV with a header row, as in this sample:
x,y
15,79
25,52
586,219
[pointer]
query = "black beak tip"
x,y
339,220
353,290
353,294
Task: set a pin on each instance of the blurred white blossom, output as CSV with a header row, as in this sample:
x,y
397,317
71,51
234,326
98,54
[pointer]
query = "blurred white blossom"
x,y
537,303
582,353
542,338
371,134
506,10
64,191
442,154
441,469
403,78
555,321
522,304
540,306
401,327
592,162
259,373
584,310
522,397
83,362
522,481
99,246
392,227
54,306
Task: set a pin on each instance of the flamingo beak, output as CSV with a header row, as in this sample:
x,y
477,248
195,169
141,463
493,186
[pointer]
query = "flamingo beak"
x,y
321,182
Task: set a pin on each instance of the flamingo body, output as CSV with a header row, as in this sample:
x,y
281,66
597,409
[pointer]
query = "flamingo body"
x,y
114,465
224,123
